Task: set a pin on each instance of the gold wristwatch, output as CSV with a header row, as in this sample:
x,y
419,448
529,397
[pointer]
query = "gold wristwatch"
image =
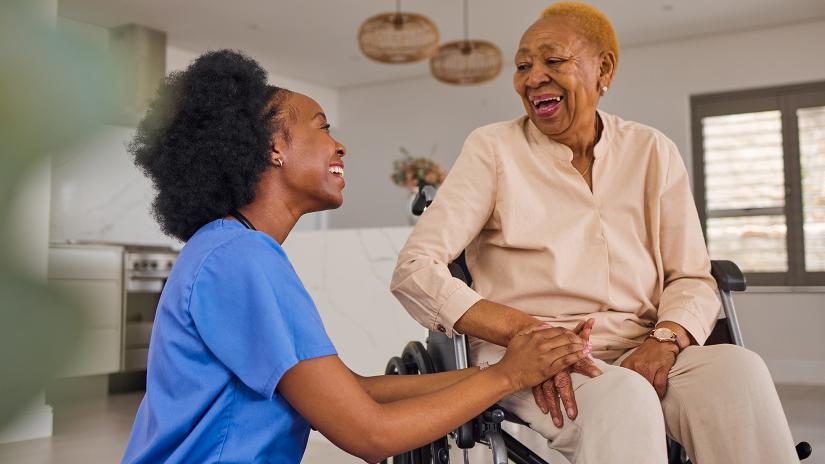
x,y
665,335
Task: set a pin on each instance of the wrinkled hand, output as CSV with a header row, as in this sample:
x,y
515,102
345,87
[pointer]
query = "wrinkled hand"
x,y
653,360
539,353
560,387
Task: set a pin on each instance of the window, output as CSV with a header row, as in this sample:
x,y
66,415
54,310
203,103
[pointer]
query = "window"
x,y
759,181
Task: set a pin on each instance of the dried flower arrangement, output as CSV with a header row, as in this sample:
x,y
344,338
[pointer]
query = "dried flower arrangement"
x,y
409,172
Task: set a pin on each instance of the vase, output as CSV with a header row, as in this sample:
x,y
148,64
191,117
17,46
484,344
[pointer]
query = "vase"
x,y
412,219
420,200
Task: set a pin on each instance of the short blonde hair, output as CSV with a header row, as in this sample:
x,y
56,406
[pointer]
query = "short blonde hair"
x,y
593,23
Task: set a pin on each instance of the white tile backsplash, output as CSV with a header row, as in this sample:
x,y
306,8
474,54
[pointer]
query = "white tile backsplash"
x,y
98,193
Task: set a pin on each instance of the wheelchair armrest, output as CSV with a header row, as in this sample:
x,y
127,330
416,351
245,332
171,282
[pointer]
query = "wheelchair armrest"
x,y
728,276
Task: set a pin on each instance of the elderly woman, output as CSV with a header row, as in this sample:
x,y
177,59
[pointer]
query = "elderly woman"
x,y
240,364
568,214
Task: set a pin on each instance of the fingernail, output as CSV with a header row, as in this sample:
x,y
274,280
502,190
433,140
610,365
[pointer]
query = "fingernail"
x,y
557,422
570,412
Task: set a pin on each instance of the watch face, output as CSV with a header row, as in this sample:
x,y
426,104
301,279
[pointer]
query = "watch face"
x,y
663,334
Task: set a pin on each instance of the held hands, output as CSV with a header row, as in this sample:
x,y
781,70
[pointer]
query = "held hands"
x,y
538,353
560,386
653,360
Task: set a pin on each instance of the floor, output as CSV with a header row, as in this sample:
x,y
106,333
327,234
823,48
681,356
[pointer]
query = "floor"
x,y
96,432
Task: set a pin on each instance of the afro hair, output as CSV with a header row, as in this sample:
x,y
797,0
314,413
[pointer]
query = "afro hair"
x,y
205,139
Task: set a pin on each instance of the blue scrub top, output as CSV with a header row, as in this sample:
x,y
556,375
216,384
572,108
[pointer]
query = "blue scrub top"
x,y
232,319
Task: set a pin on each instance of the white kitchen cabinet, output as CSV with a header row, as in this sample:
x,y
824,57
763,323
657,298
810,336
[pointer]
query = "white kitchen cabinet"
x,y
91,277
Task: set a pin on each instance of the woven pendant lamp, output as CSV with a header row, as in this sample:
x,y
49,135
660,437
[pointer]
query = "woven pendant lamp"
x,y
466,62
398,37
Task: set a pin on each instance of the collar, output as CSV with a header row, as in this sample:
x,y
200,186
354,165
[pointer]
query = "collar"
x,y
544,144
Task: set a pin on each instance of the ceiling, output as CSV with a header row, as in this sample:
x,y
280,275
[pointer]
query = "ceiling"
x,y
315,40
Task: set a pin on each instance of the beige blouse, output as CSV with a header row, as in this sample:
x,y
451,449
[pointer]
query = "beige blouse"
x,y
629,253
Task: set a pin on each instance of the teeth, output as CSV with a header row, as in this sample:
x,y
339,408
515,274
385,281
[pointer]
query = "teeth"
x,y
336,170
539,102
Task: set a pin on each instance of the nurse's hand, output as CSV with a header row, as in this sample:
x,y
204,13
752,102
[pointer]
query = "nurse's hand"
x,y
539,353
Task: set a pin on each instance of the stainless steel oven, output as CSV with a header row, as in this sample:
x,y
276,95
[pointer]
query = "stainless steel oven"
x,y
144,276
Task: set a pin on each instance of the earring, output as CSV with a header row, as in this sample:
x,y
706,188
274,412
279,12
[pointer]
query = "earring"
x,y
280,162
604,89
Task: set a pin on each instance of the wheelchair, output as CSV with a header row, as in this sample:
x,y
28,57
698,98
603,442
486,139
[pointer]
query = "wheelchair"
x,y
442,353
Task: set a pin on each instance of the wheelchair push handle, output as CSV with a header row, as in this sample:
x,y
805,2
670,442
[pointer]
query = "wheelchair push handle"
x,y
803,450
423,199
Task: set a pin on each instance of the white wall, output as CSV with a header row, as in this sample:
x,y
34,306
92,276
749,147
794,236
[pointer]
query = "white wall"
x,y
416,114
654,84
787,330
98,194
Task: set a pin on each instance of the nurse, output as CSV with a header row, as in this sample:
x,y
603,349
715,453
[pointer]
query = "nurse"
x,y
239,364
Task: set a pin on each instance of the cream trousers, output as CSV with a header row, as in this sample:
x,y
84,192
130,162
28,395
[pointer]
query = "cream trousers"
x,y
721,405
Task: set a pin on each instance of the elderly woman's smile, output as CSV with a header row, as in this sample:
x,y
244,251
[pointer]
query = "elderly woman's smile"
x,y
546,105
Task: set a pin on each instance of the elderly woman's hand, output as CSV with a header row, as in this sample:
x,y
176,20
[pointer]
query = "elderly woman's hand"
x,y
653,360
560,387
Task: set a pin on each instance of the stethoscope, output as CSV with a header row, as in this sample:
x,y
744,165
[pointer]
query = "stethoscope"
x,y
242,219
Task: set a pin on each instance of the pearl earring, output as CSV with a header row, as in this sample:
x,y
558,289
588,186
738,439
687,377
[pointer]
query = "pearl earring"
x,y
604,89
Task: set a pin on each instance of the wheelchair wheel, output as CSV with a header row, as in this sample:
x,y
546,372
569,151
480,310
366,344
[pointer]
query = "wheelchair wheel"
x,y
416,360
416,355
396,366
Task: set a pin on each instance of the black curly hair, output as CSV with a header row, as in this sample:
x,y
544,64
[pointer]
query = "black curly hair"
x,y
205,139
